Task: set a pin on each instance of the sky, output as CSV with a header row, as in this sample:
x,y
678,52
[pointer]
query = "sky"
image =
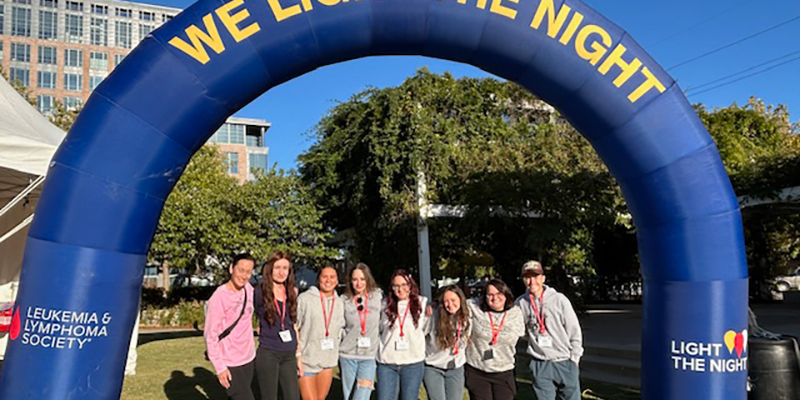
x,y
672,32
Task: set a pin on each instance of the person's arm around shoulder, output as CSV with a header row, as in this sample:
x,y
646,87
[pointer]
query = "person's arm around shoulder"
x,y
519,328
573,328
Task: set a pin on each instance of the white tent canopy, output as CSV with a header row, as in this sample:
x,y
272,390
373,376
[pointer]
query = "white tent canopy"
x,y
27,143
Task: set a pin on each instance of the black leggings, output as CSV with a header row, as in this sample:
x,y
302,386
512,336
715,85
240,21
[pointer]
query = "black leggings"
x,y
241,382
277,369
489,386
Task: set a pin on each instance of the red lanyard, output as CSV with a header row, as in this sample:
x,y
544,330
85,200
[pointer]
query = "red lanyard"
x,y
496,330
282,313
362,315
458,337
330,314
403,320
539,314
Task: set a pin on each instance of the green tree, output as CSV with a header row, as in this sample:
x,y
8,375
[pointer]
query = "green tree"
x,y
482,143
760,147
208,217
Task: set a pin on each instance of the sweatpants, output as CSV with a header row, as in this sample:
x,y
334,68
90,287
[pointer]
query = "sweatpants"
x,y
241,382
490,385
555,380
277,369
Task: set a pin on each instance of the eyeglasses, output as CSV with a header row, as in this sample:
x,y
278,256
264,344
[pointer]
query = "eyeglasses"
x,y
400,286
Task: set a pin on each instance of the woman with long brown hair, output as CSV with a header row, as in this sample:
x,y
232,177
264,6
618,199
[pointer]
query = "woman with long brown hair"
x,y
362,314
277,361
448,332
401,350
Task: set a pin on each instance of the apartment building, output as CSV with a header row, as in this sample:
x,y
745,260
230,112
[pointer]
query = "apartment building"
x,y
63,49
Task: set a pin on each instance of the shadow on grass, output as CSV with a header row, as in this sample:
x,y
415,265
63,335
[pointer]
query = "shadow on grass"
x,y
147,337
203,385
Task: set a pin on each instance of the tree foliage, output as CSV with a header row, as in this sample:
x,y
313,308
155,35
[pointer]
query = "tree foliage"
x,y
208,217
760,147
482,143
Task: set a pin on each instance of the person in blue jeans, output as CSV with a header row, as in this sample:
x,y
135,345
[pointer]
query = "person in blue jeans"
x,y
448,332
401,351
362,314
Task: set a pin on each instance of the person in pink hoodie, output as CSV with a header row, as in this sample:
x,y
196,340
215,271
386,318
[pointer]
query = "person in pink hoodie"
x,y
229,330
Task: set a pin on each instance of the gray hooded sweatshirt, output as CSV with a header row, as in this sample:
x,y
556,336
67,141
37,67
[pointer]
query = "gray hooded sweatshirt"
x,y
311,328
561,324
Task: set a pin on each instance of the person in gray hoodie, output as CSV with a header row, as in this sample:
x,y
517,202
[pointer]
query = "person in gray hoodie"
x,y
362,315
555,340
320,319
448,334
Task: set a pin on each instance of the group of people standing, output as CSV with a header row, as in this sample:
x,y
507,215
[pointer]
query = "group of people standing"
x,y
391,342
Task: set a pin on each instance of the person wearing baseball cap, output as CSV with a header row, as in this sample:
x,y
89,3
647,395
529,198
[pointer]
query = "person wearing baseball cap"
x,y
555,340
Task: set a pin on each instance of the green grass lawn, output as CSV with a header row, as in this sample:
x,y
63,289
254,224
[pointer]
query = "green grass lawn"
x,y
172,367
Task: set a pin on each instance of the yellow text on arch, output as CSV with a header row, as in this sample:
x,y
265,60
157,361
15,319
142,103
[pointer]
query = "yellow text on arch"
x,y
196,50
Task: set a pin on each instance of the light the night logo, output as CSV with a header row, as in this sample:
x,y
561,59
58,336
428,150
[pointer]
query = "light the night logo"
x,y
711,357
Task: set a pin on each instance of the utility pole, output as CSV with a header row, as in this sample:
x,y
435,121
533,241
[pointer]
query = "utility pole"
x,y
422,238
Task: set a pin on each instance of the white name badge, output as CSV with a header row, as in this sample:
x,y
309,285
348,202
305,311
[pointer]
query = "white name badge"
x,y
545,341
401,345
364,343
326,344
286,336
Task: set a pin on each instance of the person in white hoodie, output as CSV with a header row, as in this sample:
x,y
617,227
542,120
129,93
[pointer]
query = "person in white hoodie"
x,y
320,320
401,350
555,340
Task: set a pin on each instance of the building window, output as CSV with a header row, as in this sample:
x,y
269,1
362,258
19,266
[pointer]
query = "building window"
x,y
73,82
45,103
99,9
74,6
22,75
94,81
98,61
1,49
124,12
118,59
48,24
122,34
99,32
20,21
22,1
236,134
233,163
47,55
258,161
147,16
48,3
165,17
46,79
254,141
73,58
2,18
20,52
145,30
73,28
222,134
72,103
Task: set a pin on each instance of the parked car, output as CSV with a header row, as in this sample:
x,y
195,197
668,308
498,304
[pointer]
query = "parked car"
x,y
788,282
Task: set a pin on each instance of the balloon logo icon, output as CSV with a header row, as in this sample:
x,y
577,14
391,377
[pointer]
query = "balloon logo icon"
x,y
736,342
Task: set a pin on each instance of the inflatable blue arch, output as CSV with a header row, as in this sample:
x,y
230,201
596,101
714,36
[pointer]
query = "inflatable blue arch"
x,y
107,183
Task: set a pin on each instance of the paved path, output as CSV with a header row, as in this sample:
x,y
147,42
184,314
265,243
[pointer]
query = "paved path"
x,y
620,325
